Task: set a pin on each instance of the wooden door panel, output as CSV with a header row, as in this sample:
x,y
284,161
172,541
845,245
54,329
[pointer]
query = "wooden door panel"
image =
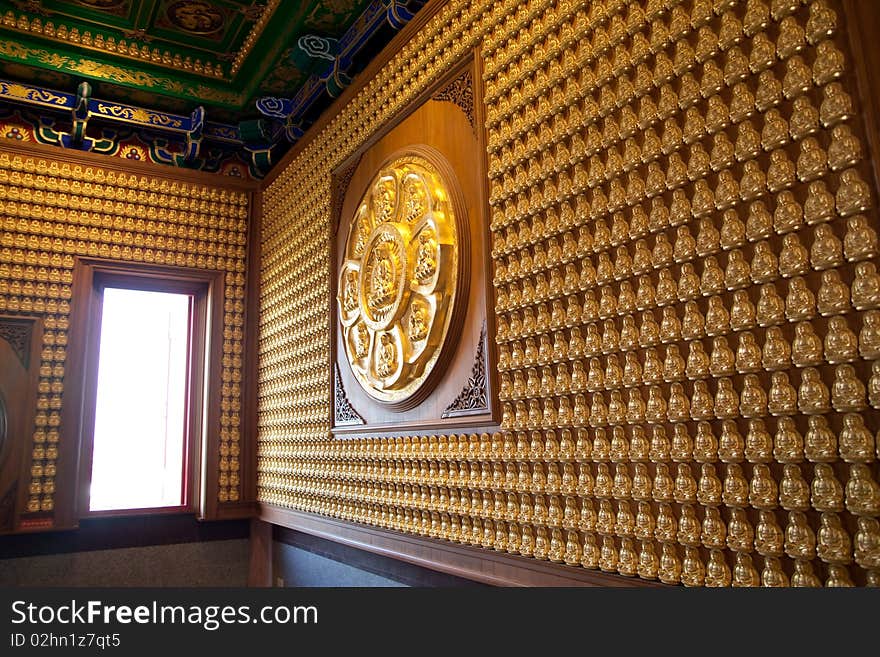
x,y
19,363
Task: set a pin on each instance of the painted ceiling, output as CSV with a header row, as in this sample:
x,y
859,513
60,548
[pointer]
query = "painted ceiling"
x,y
226,56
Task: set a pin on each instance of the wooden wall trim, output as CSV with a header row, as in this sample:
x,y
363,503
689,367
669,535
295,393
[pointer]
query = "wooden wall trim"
x,y
363,78
478,564
86,158
260,569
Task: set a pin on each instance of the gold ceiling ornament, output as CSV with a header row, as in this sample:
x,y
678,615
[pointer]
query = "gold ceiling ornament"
x,y
402,284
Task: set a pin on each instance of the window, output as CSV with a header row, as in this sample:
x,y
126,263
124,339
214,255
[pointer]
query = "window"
x,y
139,444
150,353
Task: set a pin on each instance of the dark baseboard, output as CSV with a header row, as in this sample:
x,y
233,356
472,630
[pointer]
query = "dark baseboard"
x,y
115,533
393,569
461,561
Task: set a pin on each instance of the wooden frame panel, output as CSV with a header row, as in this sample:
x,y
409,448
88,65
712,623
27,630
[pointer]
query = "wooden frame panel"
x,y
206,351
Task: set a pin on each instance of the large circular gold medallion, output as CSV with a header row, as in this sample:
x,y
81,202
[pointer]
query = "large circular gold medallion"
x,y
399,280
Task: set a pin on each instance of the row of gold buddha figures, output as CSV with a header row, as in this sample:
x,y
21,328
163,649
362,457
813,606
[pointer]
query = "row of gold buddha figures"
x,y
53,175
733,125
691,551
530,96
799,344
641,93
762,248
531,32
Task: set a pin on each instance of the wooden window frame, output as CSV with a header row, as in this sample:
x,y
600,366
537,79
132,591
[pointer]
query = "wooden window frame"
x,y
91,277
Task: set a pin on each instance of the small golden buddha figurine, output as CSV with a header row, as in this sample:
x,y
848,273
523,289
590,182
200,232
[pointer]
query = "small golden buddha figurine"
x,y
794,492
826,492
542,545
649,330
827,250
688,527
788,443
648,564
783,397
736,487
748,353
869,335
806,349
733,231
742,312
860,241
769,537
759,444
665,526
573,553
800,541
693,571
776,353
819,205
763,492
759,222
712,281
710,487
820,443
624,523
667,289
748,141
685,485
670,567
866,550
713,533
744,572
798,78
793,258
659,450
740,535
838,576
655,408
697,361
627,560
726,400
670,325
834,295
663,484
812,161
641,483
856,442
775,132
772,575
680,211
782,173
841,344
632,370
707,241
717,317
608,555
730,443
722,361
702,402
673,364
764,266
693,324
742,102
703,201
769,91
845,149
866,287
862,491
833,542
590,552
847,392
788,215
829,64
752,399
804,576
678,408
874,385
717,571
813,395
804,119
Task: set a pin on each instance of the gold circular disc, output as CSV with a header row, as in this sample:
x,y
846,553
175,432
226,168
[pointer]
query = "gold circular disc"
x,y
400,278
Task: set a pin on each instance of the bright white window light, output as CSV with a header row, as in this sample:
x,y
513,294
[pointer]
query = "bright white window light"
x,y
141,404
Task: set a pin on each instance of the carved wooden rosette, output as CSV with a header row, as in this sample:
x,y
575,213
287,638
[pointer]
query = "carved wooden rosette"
x,y
401,277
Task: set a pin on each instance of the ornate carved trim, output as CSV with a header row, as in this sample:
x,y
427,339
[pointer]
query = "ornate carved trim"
x,y
18,334
460,91
344,412
474,396
341,181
